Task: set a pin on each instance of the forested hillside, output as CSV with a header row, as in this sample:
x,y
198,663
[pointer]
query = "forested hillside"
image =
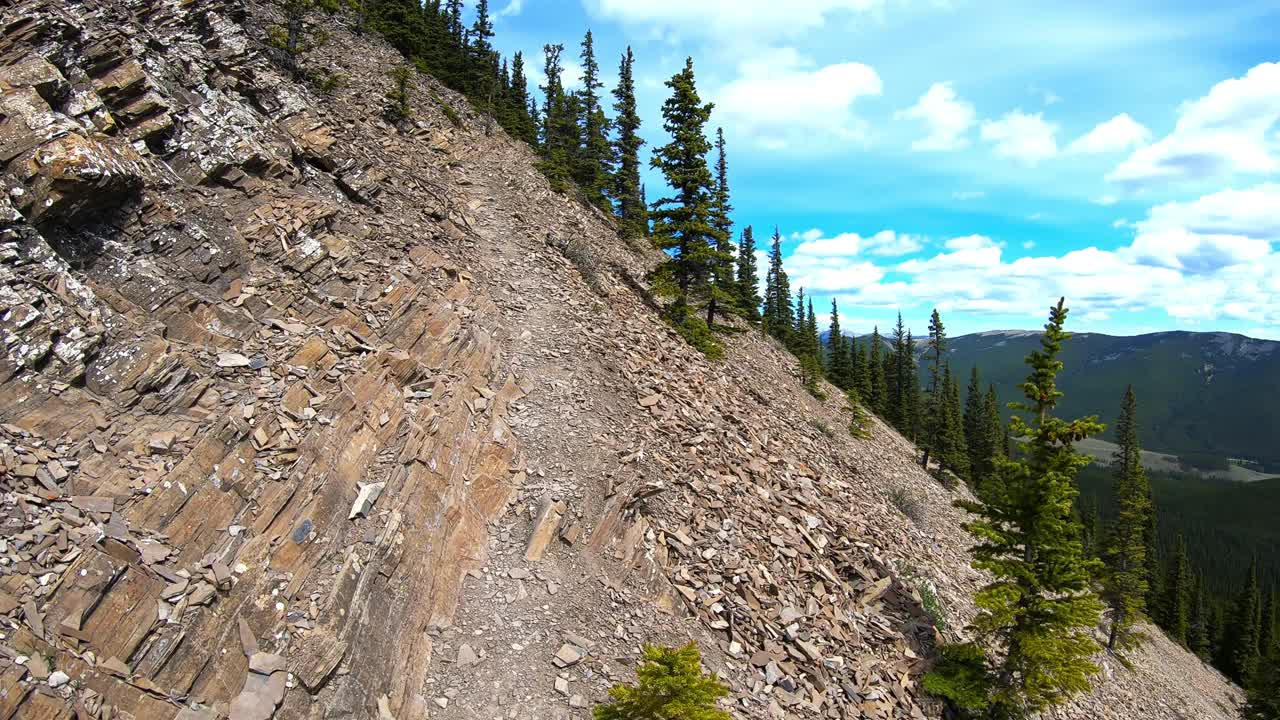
x,y
1202,393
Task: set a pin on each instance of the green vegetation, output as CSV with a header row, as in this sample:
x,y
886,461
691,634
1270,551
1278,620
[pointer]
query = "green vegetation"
x,y
397,108
1036,615
1202,393
1125,582
672,686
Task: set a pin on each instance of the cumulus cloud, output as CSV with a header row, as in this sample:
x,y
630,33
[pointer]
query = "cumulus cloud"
x,y
806,106
511,9
1115,135
946,116
1228,131
1204,260
885,243
730,19
1023,137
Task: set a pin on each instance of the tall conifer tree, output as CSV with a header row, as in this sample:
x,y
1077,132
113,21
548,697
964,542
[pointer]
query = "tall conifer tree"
x,y
723,288
682,222
592,163
837,363
748,277
559,122
633,214
1242,631
1175,609
1038,612
875,372
778,320
933,410
1125,554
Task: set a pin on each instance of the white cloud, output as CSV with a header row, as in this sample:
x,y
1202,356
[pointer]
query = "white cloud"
x,y
1023,137
885,243
947,117
1206,260
511,9
730,19
807,106
1226,132
1106,200
1115,135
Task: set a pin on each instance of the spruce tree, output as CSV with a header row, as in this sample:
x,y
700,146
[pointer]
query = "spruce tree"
x,y
1242,641
859,375
1151,539
911,396
992,441
1175,608
974,421
1264,690
682,222
748,277
897,382
723,290
778,319
559,123
1038,612
633,214
592,164
1200,630
524,126
671,686
798,325
953,454
837,370
482,62
933,410
875,373
1125,554
1267,630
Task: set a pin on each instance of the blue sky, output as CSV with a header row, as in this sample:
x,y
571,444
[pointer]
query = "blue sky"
x,y
980,157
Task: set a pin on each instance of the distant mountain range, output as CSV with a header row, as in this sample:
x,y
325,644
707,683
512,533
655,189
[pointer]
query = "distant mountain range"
x,y
1208,394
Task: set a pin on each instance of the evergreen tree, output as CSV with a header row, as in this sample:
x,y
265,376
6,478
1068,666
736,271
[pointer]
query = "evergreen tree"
x,y
875,373
1267,630
682,222
723,290
911,394
482,62
976,445
1200,630
1242,631
798,336
1151,539
1175,610
299,34
672,686
933,411
1090,527
953,455
897,382
860,375
837,369
778,319
633,213
1038,612
592,164
992,439
559,122
1125,581
748,277
1264,691
524,126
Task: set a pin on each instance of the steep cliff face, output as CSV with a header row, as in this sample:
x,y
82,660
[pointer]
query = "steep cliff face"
x,y
310,416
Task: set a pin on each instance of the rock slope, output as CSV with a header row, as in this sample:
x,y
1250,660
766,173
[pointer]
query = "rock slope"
x,y
309,416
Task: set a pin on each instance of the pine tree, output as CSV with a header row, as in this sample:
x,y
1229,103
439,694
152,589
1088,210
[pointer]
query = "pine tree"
x,y
1242,631
1200,630
633,213
1125,581
524,126
723,290
682,222
1175,609
482,62
953,455
748,277
976,445
1267,630
992,439
933,411
777,320
298,34
798,325
1151,539
911,421
898,383
1264,691
559,123
875,373
837,370
1038,612
1090,526
861,370
672,686
593,163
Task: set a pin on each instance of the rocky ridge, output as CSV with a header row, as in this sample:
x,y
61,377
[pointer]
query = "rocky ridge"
x,y
307,415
